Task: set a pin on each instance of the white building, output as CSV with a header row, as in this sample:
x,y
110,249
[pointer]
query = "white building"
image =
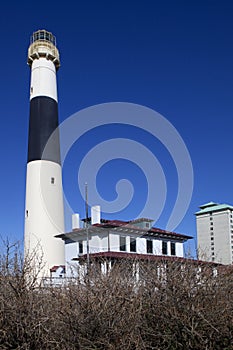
x,y
215,232
114,239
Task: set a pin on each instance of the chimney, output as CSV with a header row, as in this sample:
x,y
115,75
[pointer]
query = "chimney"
x,y
75,221
95,214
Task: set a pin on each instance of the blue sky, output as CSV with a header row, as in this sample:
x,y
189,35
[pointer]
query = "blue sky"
x,y
174,57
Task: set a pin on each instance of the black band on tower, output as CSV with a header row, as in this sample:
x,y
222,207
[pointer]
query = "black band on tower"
x,y
43,122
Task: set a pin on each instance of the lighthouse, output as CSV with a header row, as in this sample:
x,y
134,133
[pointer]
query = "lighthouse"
x,y
44,212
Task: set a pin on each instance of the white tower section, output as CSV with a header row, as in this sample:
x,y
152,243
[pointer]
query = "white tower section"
x,y
44,213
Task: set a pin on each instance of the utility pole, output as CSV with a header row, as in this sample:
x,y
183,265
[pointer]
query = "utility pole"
x,y
87,233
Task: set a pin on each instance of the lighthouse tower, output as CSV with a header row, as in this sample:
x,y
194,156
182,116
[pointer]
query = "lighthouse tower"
x,y
44,213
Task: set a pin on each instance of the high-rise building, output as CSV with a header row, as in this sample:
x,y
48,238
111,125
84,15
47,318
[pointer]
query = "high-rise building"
x,y
215,232
44,214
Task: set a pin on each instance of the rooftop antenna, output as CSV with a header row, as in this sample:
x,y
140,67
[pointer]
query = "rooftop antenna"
x,y
87,233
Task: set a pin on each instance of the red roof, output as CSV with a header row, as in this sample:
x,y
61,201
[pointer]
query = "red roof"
x,y
123,255
148,257
144,232
151,231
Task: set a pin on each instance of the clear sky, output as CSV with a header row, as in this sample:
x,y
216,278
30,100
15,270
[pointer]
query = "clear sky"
x,y
175,57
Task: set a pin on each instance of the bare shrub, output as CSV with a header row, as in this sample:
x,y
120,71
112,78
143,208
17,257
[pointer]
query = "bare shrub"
x,y
134,305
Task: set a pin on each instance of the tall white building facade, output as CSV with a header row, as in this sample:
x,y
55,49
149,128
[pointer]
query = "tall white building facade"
x,y
214,223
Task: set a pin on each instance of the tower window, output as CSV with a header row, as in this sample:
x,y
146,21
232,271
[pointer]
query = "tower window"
x,y
52,180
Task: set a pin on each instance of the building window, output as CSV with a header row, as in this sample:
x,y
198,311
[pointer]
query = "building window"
x,y
52,180
211,223
147,225
122,243
211,228
80,247
212,248
211,238
133,244
149,246
164,247
211,218
173,248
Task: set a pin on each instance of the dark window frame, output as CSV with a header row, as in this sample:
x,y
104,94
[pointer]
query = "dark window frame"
x,y
80,247
149,246
164,247
122,243
133,245
173,248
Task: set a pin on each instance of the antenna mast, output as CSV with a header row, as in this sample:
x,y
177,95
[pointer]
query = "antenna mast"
x,y
87,233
